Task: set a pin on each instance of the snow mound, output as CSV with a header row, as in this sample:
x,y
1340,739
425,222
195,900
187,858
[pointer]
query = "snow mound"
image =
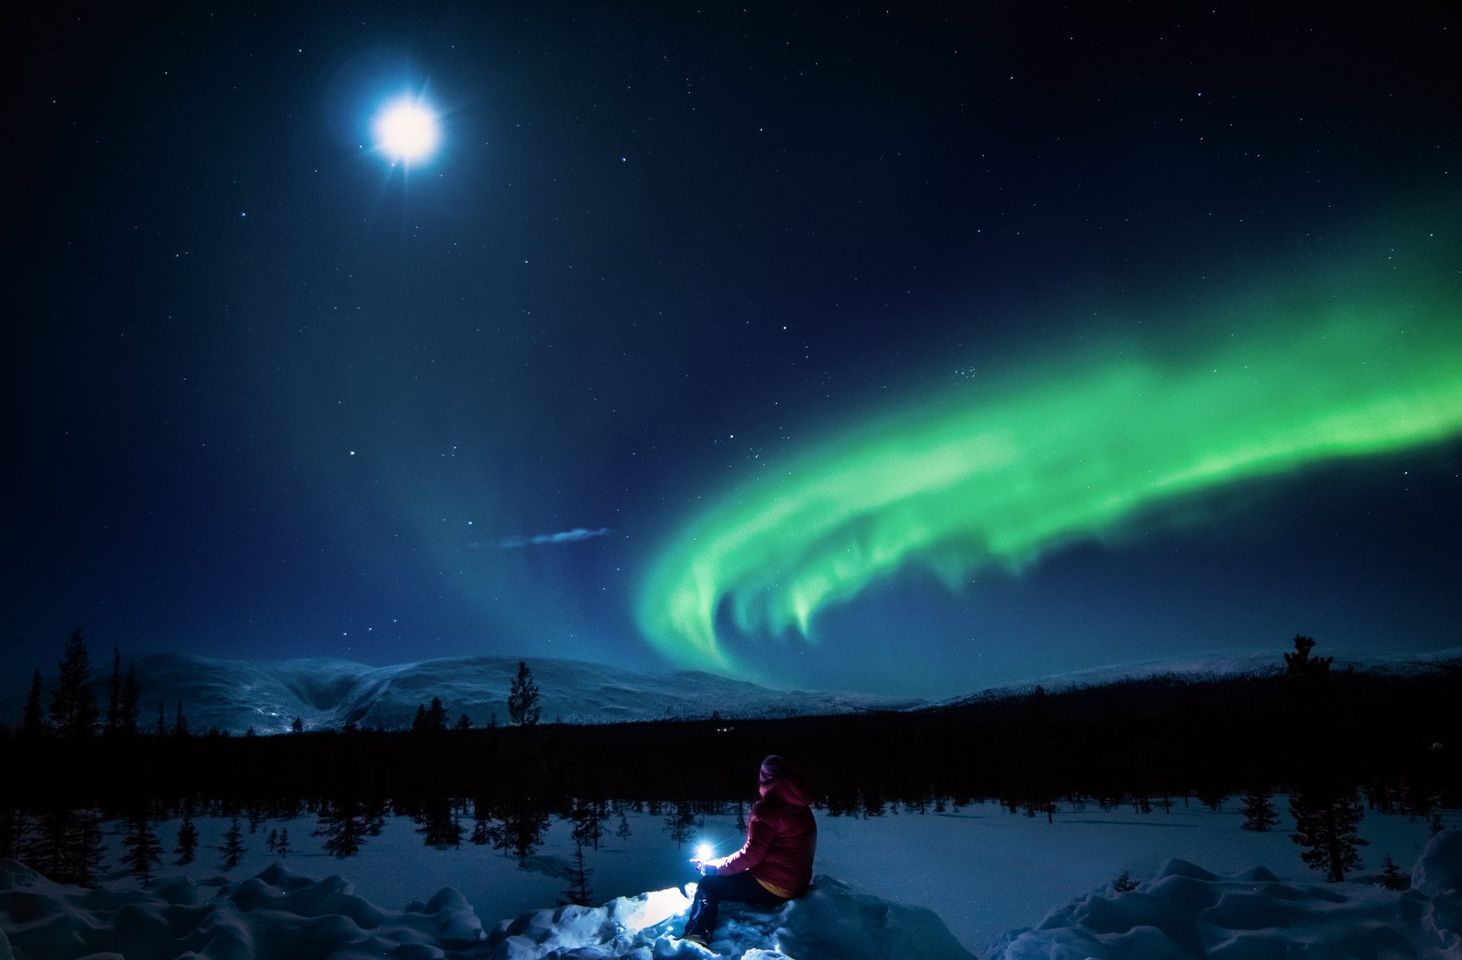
x,y
833,921
1185,911
279,915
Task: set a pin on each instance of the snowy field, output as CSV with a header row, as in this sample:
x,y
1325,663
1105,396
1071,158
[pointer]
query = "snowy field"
x,y
983,871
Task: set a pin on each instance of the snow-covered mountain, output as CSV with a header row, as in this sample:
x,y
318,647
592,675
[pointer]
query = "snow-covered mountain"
x,y
235,695
1216,663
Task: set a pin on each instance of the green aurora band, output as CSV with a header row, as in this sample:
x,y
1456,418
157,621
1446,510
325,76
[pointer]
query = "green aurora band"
x,y
1061,451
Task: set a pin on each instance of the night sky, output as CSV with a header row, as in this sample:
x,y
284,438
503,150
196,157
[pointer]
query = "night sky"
x,y
905,352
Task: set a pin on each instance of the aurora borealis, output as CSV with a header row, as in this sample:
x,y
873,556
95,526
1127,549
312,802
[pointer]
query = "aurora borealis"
x,y
906,351
1059,452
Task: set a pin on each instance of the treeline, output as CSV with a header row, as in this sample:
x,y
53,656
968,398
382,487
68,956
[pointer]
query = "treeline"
x,y
1157,736
1324,737
74,713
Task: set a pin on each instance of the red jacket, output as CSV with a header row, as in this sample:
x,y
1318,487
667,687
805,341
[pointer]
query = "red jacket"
x,y
780,841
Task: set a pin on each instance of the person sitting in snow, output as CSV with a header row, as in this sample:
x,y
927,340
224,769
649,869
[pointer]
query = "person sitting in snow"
x,y
775,863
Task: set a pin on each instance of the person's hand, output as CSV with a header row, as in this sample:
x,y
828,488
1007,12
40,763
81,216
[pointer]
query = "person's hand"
x,y
702,867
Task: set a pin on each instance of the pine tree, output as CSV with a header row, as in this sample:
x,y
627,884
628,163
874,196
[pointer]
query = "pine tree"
x,y
523,706
143,849
678,823
623,831
73,707
114,703
520,832
89,851
430,720
481,822
344,825
162,726
297,725
281,848
187,840
233,845
49,848
180,725
588,820
33,718
439,825
131,698
273,841
1258,810
1391,876
1301,665
1325,825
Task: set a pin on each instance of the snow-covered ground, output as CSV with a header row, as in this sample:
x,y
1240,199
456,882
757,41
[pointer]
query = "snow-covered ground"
x,y
981,871
1182,911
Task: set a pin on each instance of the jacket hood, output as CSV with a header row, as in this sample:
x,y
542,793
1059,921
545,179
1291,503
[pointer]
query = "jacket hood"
x,y
789,789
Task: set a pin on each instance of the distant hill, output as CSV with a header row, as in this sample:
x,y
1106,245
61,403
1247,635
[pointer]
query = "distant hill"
x,y
235,695
1214,664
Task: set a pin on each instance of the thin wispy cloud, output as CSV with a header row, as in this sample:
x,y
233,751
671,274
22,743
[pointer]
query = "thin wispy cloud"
x,y
540,539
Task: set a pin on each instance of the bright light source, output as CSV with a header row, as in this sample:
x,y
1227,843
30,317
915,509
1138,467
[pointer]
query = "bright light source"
x,y
704,851
406,130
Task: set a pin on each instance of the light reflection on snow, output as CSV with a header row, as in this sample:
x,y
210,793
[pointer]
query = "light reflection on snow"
x,y
657,907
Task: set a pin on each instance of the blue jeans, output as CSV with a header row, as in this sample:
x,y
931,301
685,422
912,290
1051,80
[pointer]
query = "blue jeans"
x,y
736,887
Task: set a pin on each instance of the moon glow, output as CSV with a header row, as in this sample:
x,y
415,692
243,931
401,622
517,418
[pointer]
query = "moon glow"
x,y
406,130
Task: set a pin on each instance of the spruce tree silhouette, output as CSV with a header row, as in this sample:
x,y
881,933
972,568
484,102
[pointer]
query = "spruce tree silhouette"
x,y
1300,665
143,849
33,717
114,704
131,699
89,853
1259,814
50,846
73,708
344,825
1326,818
523,706
431,719
187,841
1391,876
233,845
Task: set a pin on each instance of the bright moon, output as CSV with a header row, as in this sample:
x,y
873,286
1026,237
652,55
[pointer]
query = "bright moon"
x,y
406,130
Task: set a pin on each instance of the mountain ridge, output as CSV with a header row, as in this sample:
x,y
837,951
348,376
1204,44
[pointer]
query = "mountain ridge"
x,y
325,692
266,696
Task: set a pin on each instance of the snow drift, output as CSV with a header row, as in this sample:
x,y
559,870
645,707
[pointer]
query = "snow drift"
x,y
279,915
1185,911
